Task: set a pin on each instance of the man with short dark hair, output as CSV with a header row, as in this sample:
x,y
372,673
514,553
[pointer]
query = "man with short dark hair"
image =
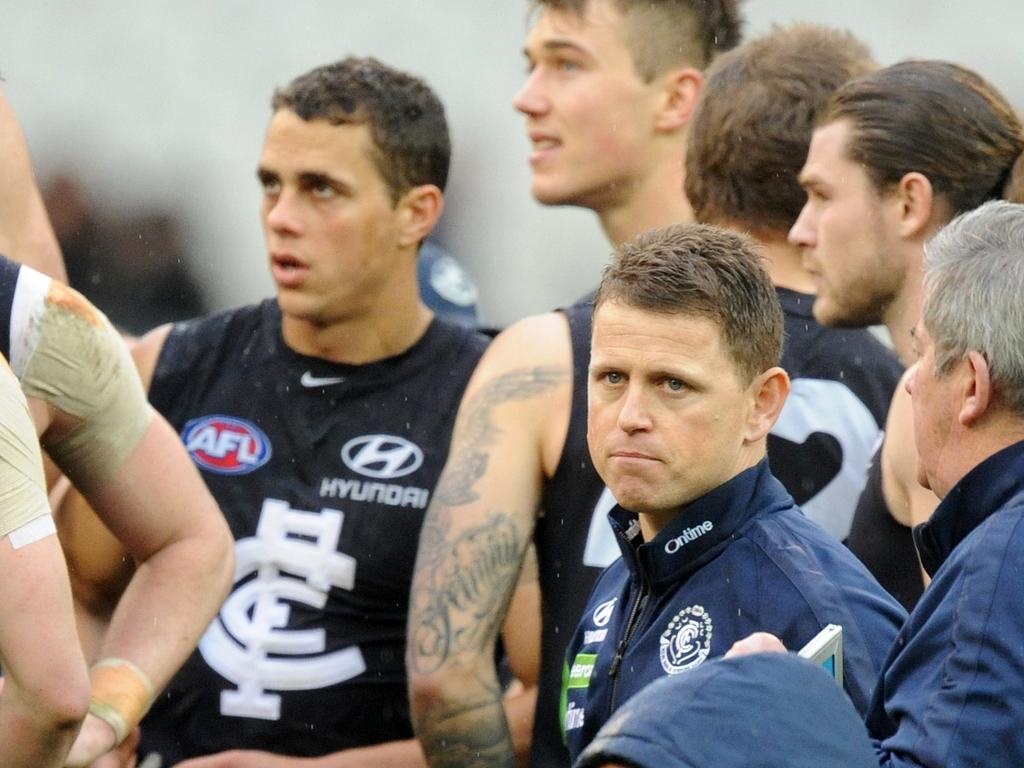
x,y
684,386
320,420
747,143
612,85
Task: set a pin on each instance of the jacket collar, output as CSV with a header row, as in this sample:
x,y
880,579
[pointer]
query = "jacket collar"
x,y
701,529
979,494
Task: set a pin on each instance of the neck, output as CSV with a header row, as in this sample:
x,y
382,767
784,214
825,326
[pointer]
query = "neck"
x,y
359,339
655,201
784,262
998,429
903,312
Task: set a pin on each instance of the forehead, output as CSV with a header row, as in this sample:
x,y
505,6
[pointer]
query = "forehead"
x,y
655,338
599,32
316,146
827,156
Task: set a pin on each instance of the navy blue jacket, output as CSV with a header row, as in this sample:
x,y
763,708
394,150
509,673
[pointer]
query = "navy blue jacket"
x,y
742,558
952,691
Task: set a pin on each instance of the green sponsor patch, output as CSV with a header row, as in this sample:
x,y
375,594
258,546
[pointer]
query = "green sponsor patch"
x,y
582,668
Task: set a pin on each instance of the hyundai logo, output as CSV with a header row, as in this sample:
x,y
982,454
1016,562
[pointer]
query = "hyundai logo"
x,y
382,456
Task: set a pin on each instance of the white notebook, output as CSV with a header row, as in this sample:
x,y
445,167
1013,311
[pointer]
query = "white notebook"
x,y
826,649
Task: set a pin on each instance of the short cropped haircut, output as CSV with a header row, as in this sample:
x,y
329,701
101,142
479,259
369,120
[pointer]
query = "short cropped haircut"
x,y
704,271
750,134
974,281
406,119
663,34
938,119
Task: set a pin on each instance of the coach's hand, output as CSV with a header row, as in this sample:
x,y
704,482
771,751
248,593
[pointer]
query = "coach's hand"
x,y
759,642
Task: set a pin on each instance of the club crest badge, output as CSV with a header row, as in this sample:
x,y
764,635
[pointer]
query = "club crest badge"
x,y
686,642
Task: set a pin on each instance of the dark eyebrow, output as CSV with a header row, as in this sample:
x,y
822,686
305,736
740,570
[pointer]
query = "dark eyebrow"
x,y
554,46
265,175
312,178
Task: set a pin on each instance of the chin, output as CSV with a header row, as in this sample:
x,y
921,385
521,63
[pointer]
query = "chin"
x,y
547,193
297,307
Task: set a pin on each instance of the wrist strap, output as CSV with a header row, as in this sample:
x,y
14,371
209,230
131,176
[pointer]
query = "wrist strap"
x,y
121,694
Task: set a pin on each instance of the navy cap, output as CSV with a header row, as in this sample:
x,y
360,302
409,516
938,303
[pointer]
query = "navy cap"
x,y
766,710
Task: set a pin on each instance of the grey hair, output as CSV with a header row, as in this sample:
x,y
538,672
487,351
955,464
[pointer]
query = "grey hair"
x,y
974,294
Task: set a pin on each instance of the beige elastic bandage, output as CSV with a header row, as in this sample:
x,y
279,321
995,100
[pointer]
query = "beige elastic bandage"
x,y
121,694
22,484
65,352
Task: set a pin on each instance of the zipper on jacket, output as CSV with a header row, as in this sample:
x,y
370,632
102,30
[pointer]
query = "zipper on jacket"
x,y
631,626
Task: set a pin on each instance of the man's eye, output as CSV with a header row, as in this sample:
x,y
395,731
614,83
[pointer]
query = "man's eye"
x,y
322,189
613,377
271,187
675,385
567,65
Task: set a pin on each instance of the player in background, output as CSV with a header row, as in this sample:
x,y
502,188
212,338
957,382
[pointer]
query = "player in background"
x,y
610,92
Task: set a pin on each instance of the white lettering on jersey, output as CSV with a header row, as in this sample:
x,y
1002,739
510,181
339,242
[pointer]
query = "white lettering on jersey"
x,y
601,549
382,493
821,405
293,557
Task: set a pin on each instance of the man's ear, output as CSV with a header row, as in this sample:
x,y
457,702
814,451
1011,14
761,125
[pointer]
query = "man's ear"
x,y
768,393
679,96
976,393
418,212
916,200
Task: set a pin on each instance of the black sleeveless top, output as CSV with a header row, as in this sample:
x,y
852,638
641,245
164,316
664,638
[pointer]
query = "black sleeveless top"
x,y
324,472
885,546
571,517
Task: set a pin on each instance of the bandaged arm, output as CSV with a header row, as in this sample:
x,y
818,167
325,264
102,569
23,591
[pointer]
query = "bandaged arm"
x,y
134,471
45,690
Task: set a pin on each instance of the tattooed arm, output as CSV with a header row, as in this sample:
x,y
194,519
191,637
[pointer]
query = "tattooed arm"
x,y
509,435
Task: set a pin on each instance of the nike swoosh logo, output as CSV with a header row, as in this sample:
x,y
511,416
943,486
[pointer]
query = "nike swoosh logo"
x,y
309,380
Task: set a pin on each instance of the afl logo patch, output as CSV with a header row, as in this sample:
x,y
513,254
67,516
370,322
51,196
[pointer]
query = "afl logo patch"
x,y
226,445
686,642
382,457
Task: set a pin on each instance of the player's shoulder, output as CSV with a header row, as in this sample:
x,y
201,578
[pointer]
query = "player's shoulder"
x,y
179,350
536,341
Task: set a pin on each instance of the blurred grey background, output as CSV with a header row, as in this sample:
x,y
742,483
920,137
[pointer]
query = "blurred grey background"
x,y
161,106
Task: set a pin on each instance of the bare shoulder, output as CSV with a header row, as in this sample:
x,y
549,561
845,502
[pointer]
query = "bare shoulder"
x,y
523,384
538,340
146,352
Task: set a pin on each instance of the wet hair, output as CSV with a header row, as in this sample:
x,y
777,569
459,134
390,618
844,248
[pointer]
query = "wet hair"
x,y
668,33
750,134
704,271
405,117
974,280
938,119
